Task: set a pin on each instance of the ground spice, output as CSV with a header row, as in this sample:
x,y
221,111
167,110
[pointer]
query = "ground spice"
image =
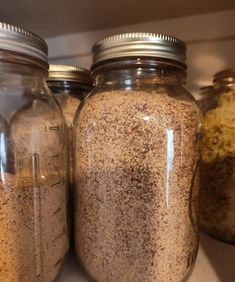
x,y
136,209
33,230
33,197
218,170
39,128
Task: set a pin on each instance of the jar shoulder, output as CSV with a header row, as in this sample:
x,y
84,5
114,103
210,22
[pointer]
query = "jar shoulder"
x,y
39,102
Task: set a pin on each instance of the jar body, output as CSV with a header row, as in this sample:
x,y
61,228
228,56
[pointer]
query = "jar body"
x,y
218,166
69,95
33,192
136,155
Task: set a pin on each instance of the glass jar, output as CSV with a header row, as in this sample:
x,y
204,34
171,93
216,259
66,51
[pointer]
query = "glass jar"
x,y
136,157
33,163
218,161
70,85
205,97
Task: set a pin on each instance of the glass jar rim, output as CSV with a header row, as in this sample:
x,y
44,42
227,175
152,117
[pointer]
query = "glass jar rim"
x,y
137,62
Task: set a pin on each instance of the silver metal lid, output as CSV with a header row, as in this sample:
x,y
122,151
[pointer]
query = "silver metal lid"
x,y
139,45
69,73
22,41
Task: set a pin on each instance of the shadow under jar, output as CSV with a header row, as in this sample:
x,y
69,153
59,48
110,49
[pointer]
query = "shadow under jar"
x,y
218,160
33,163
136,156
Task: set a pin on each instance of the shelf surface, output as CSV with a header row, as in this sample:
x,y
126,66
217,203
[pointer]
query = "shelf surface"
x,y
215,263
53,18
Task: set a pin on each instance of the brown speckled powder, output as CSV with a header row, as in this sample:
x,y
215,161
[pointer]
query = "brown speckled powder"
x,y
136,157
33,197
33,227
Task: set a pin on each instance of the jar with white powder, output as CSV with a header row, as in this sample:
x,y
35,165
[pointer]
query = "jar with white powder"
x,y
136,158
33,163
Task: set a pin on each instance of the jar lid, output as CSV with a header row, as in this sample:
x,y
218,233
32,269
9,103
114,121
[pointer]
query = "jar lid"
x,y
139,44
69,73
16,39
228,74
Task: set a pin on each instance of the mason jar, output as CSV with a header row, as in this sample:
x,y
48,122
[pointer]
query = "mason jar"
x,y
136,157
70,85
218,160
205,97
33,163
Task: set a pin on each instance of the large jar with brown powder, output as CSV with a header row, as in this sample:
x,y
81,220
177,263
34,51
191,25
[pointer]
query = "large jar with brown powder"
x,y
218,160
70,85
33,163
136,150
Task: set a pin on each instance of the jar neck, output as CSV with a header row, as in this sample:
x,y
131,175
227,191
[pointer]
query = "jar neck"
x,y
72,88
135,73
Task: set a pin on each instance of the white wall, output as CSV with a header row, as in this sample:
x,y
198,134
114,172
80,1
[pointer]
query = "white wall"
x,y
210,39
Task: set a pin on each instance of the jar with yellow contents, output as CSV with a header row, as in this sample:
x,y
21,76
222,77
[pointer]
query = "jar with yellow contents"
x,y
218,160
